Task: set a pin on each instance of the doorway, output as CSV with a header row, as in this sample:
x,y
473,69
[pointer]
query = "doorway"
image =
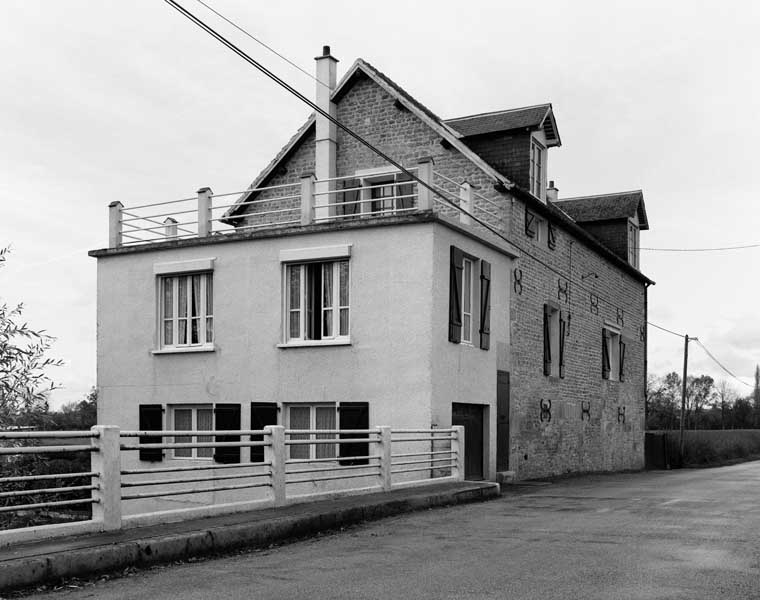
x,y
470,416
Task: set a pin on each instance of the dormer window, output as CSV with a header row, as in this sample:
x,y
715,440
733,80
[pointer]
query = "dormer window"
x,y
537,168
633,244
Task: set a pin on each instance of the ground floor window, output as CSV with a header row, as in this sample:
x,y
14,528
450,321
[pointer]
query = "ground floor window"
x,y
312,417
192,418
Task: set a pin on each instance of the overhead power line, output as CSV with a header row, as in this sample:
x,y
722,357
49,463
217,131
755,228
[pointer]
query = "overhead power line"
x,y
413,176
717,362
258,41
681,335
717,249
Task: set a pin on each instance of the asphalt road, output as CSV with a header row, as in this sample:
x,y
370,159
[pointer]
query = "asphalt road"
x,y
677,534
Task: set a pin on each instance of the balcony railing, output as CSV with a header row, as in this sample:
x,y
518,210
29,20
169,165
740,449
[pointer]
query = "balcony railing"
x,y
308,201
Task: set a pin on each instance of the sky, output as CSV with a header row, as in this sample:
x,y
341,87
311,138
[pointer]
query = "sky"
x,y
129,101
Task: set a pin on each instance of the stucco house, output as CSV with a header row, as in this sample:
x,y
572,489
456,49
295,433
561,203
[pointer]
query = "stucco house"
x,y
339,292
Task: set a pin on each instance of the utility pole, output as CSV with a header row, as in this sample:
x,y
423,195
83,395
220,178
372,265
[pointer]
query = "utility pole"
x,y
683,391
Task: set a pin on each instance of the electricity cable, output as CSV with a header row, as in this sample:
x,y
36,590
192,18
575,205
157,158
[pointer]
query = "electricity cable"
x,y
681,335
258,41
220,38
720,364
717,249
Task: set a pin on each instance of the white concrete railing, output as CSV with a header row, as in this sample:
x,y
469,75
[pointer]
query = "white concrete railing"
x,y
463,199
382,192
379,459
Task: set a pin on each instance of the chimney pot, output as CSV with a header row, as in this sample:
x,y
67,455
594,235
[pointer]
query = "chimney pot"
x,y
325,50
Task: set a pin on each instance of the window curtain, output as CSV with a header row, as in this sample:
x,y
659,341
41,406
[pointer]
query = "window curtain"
x,y
299,418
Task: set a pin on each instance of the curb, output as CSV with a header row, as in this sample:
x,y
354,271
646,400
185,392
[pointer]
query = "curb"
x,y
31,571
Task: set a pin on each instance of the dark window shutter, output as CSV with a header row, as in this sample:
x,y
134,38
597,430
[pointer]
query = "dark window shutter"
x,y
151,419
551,236
547,342
485,304
455,295
530,224
404,189
354,415
605,355
622,359
350,198
262,414
227,418
562,331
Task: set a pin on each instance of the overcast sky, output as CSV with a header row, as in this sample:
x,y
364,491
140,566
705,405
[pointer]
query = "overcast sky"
x,y
128,101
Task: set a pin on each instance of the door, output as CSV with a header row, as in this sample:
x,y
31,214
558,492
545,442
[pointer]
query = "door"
x,y
502,421
470,416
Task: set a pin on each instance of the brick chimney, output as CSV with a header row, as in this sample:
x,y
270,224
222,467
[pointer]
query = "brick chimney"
x,y
326,140
552,193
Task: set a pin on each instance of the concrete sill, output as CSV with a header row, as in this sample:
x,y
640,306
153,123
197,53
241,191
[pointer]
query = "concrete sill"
x,y
188,350
314,343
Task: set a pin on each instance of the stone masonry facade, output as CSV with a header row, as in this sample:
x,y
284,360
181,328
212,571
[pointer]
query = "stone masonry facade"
x,y
595,424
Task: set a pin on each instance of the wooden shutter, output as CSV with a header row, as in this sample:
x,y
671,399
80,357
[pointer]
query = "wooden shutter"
x,y
485,304
350,197
455,295
262,414
622,359
605,354
530,224
551,236
151,419
547,342
562,331
404,189
354,415
227,418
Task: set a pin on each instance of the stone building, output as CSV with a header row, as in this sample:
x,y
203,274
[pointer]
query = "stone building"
x,y
342,291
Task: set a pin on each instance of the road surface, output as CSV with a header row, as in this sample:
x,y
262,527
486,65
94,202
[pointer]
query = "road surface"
x,y
675,534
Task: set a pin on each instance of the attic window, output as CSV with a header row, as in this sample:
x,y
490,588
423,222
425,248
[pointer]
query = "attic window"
x,y
537,168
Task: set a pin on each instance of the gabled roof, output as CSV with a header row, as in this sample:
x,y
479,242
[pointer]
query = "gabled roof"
x,y
362,68
606,207
540,116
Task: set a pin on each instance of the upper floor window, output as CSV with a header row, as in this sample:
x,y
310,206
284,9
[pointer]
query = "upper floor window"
x,y
613,354
465,298
375,191
317,301
187,310
555,327
537,168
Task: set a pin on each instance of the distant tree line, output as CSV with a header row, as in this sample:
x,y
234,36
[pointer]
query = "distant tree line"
x,y
708,405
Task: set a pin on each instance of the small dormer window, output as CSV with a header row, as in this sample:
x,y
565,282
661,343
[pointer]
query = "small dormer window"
x,y
537,167
633,244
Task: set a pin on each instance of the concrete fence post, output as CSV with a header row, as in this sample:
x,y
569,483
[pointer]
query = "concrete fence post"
x,y
170,227
105,460
425,173
457,449
307,199
465,203
114,224
383,451
204,211
275,453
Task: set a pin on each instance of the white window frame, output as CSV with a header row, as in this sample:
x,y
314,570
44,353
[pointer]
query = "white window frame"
x,y
302,309
467,282
537,168
203,317
327,451
376,178
195,453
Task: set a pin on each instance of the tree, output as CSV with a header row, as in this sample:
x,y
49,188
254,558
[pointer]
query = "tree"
x,y
77,416
725,398
756,396
24,383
